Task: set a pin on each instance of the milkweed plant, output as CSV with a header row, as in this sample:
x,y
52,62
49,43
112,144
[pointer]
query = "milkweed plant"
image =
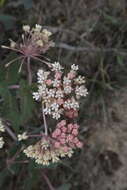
x,y
58,95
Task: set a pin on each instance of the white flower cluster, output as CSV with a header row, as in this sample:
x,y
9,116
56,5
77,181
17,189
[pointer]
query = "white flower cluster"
x,y
2,129
22,136
1,142
59,92
43,153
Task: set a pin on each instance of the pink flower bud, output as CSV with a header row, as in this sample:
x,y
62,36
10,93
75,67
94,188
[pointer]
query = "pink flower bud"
x,y
75,132
61,123
60,101
71,75
54,135
76,126
58,132
70,127
65,149
79,144
75,140
57,144
58,75
71,113
63,135
69,138
64,129
62,141
48,82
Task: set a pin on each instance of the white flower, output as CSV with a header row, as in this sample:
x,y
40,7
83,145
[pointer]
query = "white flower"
x,y
38,27
59,94
55,106
36,96
12,44
56,67
67,89
74,67
1,142
47,111
56,83
55,115
42,76
40,43
51,93
74,104
26,28
22,136
80,79
42,90
71,104
81,91
66,81
2,127
46,32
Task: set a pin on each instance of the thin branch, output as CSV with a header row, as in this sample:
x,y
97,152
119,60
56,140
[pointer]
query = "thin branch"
x,y
48,182
11,133
89,49
13,87
10,62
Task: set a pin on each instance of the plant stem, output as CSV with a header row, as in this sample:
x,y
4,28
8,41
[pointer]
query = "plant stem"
x,y
29,71
45,123
47,181
10,132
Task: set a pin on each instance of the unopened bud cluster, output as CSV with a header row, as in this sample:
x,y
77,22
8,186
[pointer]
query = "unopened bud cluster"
x,y
58,145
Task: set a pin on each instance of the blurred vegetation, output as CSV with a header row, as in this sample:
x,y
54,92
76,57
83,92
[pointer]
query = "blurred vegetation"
x,y
91,34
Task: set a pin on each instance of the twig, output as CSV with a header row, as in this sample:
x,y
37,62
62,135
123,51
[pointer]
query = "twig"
x,y
89,49
14,87
10,132
48,182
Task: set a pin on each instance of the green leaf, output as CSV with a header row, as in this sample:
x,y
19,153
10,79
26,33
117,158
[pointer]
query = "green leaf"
x,y
2,2
8,21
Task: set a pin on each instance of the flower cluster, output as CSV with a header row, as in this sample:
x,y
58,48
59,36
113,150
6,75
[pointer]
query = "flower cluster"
x,y
59,92
58,145
34,41
22,136
2,129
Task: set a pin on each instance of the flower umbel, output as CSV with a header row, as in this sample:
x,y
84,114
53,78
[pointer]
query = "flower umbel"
x,y
61,143
34,42
60,93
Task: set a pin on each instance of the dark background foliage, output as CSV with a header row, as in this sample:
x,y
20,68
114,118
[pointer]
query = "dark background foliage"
x,y
92,34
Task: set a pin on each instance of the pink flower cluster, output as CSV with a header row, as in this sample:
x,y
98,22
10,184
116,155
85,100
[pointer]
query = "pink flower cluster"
x,y
65,135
